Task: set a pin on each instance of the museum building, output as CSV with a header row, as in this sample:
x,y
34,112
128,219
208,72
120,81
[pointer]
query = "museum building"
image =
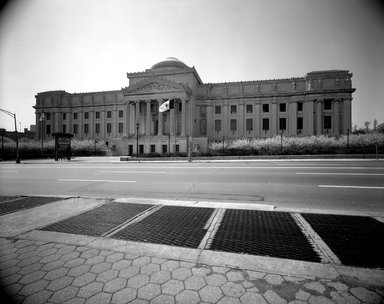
x,y
129,119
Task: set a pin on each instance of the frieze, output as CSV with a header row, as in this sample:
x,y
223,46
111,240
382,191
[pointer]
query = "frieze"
x,y
153,88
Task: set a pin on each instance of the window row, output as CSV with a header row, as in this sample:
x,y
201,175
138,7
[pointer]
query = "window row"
x,y
86,128
265,108
87,116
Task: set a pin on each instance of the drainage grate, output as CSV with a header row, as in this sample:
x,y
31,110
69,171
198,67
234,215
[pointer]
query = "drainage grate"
x,y
8,198
273,234
98,221
171,225
356,240
18,204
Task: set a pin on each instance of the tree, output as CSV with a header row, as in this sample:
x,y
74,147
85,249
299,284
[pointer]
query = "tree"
x,y
366,124
380,128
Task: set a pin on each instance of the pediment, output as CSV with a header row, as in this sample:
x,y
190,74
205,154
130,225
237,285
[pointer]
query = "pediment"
x,y
152,86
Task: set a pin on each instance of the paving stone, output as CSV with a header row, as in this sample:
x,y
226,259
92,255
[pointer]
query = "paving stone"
x,y
157,260
160,277
90,289
130,256
294,279
274,279
56,273
34,287
89,253
317,286
101,267
141,261
229,300
129,272
47,252
107,275
273,298
163,299
32,277
320,300
211,294
149,291
188,296
74,263
187,264
30,268
13,289
64,294
252,298
84,279
201,271
52,265
234,276
40,297
101,297
82,249
247,284
79,270
343,298
121,264
150,268
9,271
181,273
302,295
216,279
338,286
66,249
27,256
95,260
60,283
70,256
194,283
170,265
50,258
124,296
233,289
115,257
172,287
219,269
365,295
138,281
9,257
139,301
115,285
26,249
12,279
75,300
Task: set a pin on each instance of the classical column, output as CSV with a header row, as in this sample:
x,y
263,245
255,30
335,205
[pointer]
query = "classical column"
x,y
137,113
148,118
172,122
183,117
160,129
292,118
347,115
319,118
274,118
127,120
336,118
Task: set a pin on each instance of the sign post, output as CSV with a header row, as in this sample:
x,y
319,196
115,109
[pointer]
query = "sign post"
x,y
62,145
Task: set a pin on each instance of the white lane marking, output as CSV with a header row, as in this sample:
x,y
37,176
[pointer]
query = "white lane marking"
x,y
337,173
351,187
95,180
144,172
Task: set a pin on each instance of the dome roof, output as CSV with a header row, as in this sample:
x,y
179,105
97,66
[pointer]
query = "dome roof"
x,y
170,62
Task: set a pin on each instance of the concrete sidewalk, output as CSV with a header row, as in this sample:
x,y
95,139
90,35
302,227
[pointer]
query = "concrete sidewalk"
x,y
50,267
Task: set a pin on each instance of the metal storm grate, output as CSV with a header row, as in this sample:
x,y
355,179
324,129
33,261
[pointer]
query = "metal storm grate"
x,y
8,198
171,225
356,240
98,221
18,204
273,234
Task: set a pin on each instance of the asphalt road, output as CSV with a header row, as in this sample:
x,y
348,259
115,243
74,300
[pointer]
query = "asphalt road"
x,y
342,186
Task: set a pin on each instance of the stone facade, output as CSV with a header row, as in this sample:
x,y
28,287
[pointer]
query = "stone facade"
x,y
319,103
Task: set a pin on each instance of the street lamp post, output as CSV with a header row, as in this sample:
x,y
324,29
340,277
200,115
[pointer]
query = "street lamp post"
x,y
137,140
42,117
16,133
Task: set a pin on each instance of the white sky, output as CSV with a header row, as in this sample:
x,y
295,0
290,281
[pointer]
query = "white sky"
x,y
90,45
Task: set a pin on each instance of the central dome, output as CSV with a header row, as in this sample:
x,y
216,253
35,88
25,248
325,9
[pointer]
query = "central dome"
x,y
170,62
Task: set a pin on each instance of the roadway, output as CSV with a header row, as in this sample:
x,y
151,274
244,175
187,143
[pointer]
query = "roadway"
x,y
340,186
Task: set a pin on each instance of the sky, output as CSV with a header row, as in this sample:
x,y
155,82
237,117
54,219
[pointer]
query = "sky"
x,y
90,45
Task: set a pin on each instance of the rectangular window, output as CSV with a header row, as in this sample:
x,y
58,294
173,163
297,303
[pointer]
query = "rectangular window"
x,y
249,125
265,124
97,128
265,108
86,129
109,128
109,114
300,123
233,125
64,116
299,106
327,104
48,129
64,129
97,115
74,115
86,115
164,149
233,109
121,114
75,129
217,125
283,107
249,108
203,127
153,149
121,127
327,122
48,116
282,123
217,109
